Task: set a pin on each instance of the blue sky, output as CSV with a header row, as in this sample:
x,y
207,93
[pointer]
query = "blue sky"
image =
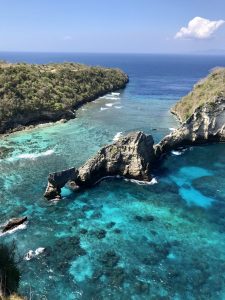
x,y
123,26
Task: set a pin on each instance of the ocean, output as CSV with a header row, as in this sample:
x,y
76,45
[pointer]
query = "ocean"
x,y
120,239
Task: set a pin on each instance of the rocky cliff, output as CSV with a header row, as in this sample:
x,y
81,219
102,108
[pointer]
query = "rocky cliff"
x,y
207,90
202,113
131,157
31,94
207,124
134,155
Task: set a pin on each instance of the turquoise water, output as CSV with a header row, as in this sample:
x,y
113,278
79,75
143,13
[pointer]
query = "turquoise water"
x,y
120,240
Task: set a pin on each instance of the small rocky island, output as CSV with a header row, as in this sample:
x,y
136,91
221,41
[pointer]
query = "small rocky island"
x,y
202,113
31,94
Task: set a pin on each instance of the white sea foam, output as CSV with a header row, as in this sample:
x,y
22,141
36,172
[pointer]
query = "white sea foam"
x,y
176,152
117,136
112,98
118,107
109,104
29,255
20,227
35,155
39,250
33,253
104,108
172,129
140,182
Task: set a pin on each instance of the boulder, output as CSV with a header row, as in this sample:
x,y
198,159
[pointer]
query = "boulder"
x,y
13,223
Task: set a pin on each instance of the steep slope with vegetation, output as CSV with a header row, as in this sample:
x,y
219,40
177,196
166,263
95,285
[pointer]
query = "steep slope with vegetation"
x,y
207,90
30,94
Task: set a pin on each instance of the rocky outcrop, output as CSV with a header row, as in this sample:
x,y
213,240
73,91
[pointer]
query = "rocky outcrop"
x,y
134,155
203,114
206,125
57,180
13,223
131,156
206,91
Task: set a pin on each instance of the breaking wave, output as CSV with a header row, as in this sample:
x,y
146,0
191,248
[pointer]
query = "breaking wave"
x,y
117,136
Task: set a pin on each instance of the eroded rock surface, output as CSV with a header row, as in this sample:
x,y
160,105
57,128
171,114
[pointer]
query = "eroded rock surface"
x,y
206,125
13,223
131,156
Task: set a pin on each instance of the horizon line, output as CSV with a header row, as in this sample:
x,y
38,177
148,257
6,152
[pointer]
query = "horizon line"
x,y
116,53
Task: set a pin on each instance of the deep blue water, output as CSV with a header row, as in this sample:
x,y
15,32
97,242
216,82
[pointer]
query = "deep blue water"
x,y
119,240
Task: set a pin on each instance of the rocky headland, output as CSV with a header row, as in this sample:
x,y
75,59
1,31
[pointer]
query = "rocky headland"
x,y
131,157
202,114
31,94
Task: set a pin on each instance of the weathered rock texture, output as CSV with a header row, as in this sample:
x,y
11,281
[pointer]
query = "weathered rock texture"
x,y
206,125
131,157
13,223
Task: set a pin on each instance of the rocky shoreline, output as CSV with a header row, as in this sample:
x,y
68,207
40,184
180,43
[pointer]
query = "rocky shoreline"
x,y
42,94
47,118
134,155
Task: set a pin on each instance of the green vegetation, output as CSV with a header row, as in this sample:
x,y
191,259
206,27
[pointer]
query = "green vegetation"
x,y
9,273
207,90
31,93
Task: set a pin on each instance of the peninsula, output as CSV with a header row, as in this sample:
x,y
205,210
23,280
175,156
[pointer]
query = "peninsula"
x,y
31,94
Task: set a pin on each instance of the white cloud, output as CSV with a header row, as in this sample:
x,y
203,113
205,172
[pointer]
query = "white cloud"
x,y
67,38
199,28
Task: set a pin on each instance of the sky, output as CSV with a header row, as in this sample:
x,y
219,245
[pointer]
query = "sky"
x,y
115,26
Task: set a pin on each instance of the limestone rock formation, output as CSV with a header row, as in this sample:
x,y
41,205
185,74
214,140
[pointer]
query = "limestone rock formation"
x,y
131,156
57,180
206,125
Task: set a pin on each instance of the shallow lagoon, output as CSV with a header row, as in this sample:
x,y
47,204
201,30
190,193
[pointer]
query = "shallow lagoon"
x,y
120,240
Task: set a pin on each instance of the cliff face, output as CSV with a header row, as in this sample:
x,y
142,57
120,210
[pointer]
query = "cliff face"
x,y
130,156
32,94
202,113
207,124
207,90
